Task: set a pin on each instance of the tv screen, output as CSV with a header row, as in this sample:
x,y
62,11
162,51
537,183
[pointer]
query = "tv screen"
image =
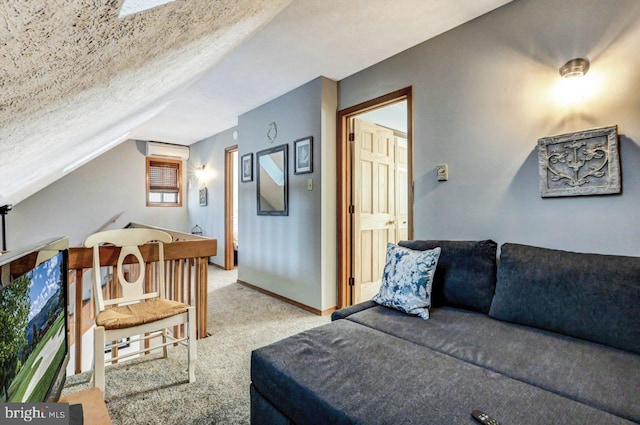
x,y
33,318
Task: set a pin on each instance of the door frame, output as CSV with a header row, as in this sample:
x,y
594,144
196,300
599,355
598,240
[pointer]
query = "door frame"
x,y
229,178
345,195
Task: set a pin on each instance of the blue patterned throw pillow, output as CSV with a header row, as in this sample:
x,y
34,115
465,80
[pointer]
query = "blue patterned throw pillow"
x,y
407,280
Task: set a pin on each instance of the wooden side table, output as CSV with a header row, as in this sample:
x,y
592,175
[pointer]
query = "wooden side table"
x,y
93,407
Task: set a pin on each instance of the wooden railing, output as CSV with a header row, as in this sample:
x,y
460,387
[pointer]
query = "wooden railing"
x,y
185,269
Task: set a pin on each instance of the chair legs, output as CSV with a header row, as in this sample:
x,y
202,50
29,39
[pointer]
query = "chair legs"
x,y
99,342
193,353
98,358
164,342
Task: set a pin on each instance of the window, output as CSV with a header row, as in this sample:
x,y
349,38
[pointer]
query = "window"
x,y
164,182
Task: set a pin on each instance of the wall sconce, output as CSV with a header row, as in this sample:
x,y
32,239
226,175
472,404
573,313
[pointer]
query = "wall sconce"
x,y
204,174
574,87
200,172
575,68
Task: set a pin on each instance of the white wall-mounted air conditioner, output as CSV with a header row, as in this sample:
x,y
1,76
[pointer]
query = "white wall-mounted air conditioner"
x,y
167,150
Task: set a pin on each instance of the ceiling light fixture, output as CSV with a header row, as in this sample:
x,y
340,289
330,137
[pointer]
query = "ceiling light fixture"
x,y
574,68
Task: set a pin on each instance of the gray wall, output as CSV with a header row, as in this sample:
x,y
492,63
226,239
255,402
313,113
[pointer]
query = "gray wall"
x,y
210,218
293,256
483,96
285,254
83,201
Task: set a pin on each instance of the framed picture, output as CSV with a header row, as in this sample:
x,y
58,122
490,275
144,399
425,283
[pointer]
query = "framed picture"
x,y
303,155
582,163
246,168
203,196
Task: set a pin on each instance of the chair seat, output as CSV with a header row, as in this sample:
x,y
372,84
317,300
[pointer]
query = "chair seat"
x,y
124,316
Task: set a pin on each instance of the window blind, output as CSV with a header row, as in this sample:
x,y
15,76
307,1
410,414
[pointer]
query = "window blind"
x,y
163,176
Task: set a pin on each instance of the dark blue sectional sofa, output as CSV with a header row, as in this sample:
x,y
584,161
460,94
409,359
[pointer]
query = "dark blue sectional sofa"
x,y
546,337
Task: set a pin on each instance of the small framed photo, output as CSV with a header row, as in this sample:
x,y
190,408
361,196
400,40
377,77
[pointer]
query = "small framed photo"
x,y
303,155
203,196
246,168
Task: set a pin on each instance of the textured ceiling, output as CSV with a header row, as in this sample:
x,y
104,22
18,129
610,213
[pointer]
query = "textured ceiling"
x,y
74,76
75,79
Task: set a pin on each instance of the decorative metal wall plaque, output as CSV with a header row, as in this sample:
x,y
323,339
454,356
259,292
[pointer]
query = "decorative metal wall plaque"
x,y
582,163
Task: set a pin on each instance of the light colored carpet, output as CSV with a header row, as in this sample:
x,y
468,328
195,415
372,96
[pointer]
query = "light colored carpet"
x,y
156,391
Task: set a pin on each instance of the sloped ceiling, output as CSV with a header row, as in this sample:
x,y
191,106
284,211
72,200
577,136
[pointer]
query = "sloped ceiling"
x,y
74,76
75,79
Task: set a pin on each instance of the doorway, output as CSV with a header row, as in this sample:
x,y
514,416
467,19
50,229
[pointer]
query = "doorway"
x,y
375,192
231,207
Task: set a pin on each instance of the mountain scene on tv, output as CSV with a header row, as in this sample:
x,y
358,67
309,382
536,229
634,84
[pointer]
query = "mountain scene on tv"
x,y
32,341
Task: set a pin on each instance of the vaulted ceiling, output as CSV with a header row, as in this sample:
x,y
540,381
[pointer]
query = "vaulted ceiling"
x,y
76,79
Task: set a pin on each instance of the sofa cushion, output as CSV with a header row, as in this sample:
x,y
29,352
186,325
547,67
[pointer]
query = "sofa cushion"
x,y
345,373
407,280
589,296
596,375
466,272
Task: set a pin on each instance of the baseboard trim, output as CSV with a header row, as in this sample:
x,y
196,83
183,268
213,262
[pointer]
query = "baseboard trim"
x,y
218,266
288,300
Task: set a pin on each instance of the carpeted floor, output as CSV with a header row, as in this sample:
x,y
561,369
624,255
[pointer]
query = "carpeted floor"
x,y
156,391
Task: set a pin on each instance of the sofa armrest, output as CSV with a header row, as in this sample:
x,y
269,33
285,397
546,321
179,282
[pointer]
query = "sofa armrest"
x,y
343,313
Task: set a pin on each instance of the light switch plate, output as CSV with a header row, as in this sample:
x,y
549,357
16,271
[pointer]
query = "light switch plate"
x,y
442,170
309,184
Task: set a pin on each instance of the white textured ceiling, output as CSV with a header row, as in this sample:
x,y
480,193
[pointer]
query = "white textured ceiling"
x,y
75,79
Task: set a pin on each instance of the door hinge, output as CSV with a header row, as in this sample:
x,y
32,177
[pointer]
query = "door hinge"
x,y
352,209
352,137
351,281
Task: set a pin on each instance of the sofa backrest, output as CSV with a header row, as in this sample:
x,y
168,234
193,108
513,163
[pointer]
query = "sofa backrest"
x,y
589,296
466,273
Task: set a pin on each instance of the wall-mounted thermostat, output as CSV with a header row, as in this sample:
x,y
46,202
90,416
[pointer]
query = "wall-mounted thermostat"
x,y
442,170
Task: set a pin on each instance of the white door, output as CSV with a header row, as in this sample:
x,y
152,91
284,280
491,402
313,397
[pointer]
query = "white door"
x,y
375,213
402,189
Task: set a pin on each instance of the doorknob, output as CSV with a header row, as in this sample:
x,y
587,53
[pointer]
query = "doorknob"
x,y
391,222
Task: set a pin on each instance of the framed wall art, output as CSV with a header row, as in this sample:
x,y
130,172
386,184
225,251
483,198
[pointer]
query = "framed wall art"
x,y
202,196
581,163
246,168
303,155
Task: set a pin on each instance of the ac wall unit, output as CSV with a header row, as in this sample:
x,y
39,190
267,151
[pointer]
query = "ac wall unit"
x,y
167,150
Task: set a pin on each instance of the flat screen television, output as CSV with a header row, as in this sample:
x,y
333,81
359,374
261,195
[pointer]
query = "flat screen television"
x,y
34,342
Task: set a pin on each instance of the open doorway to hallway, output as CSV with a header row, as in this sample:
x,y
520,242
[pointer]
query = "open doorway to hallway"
x,y
231,208
376,190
